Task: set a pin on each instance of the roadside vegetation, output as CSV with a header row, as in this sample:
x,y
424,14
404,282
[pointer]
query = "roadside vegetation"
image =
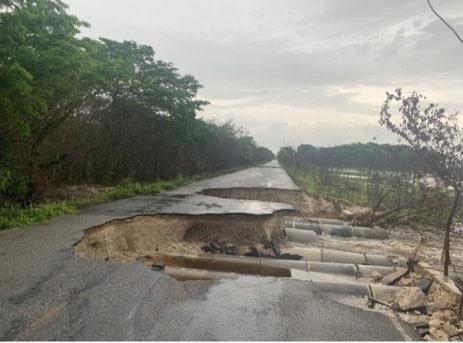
x,y
75,110
418,184
16,216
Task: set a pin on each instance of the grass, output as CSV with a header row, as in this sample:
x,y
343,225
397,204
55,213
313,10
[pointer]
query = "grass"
x,y
332,184
15,216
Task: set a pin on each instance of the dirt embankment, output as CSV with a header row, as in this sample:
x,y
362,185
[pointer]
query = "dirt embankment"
x,y
132,238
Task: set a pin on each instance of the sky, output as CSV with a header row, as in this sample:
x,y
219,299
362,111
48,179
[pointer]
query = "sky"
x,y
296,71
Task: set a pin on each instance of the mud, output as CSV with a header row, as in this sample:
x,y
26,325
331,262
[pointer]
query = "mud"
x,y
305,206
136,237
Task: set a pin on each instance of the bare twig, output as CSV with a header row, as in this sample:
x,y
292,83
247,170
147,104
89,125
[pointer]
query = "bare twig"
x,y
445,22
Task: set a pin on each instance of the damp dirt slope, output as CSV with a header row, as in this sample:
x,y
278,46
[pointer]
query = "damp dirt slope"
x,y
141,236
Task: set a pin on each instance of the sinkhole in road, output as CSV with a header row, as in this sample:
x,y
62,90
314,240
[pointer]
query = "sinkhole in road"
x,y
304,205
151,238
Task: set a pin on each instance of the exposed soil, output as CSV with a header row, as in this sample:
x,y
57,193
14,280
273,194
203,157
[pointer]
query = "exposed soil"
x,y
132,238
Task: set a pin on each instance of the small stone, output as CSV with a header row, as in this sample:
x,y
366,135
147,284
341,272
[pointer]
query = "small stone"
x,y
432,307
409,299
374,276
393,277
406,281
415,320
439,334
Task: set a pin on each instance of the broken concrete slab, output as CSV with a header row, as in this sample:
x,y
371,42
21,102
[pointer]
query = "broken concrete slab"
x,y
409,298
383,293
392,277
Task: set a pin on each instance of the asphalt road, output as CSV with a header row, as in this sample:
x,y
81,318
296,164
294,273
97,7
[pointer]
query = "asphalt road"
x,y
47,293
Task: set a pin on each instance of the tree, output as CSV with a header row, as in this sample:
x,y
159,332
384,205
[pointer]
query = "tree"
x,y
436,137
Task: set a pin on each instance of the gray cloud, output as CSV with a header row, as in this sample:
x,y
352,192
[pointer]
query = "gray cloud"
x,y
296,71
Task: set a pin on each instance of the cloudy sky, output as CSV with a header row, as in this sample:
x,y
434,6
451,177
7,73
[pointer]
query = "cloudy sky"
x,y
296,71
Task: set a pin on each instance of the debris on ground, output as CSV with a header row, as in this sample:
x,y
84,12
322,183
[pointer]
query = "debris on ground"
x,y
220,248
255,252
390,278
431,305
409,298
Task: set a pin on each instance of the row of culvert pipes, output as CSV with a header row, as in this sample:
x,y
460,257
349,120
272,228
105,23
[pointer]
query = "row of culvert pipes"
x,y
306,230
225,267
348,266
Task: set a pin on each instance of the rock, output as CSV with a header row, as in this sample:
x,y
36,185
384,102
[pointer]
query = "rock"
x,y
406,281
422,331
374,276
424,284
393,277
409,299
432,307
438,335
415,320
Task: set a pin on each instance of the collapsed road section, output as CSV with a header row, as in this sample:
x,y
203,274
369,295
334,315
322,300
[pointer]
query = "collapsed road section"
x,y
250,281
269,230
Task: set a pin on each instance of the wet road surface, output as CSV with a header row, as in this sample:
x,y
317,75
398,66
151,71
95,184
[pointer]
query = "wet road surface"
x,y
47,293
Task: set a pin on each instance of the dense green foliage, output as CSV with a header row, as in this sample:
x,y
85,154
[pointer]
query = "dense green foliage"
x,y
81,110
369,156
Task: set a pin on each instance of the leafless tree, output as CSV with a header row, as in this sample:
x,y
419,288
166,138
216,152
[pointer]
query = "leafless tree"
x,y
436,137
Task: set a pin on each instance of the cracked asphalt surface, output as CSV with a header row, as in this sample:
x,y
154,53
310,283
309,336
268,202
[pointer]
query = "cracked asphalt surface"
x,y
47,293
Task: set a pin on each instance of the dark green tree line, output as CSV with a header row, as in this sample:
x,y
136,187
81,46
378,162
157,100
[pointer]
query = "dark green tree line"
x,y
83,110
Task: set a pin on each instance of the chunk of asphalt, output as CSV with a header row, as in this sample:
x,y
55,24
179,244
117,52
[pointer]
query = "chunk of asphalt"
x,y
301,236
333,268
